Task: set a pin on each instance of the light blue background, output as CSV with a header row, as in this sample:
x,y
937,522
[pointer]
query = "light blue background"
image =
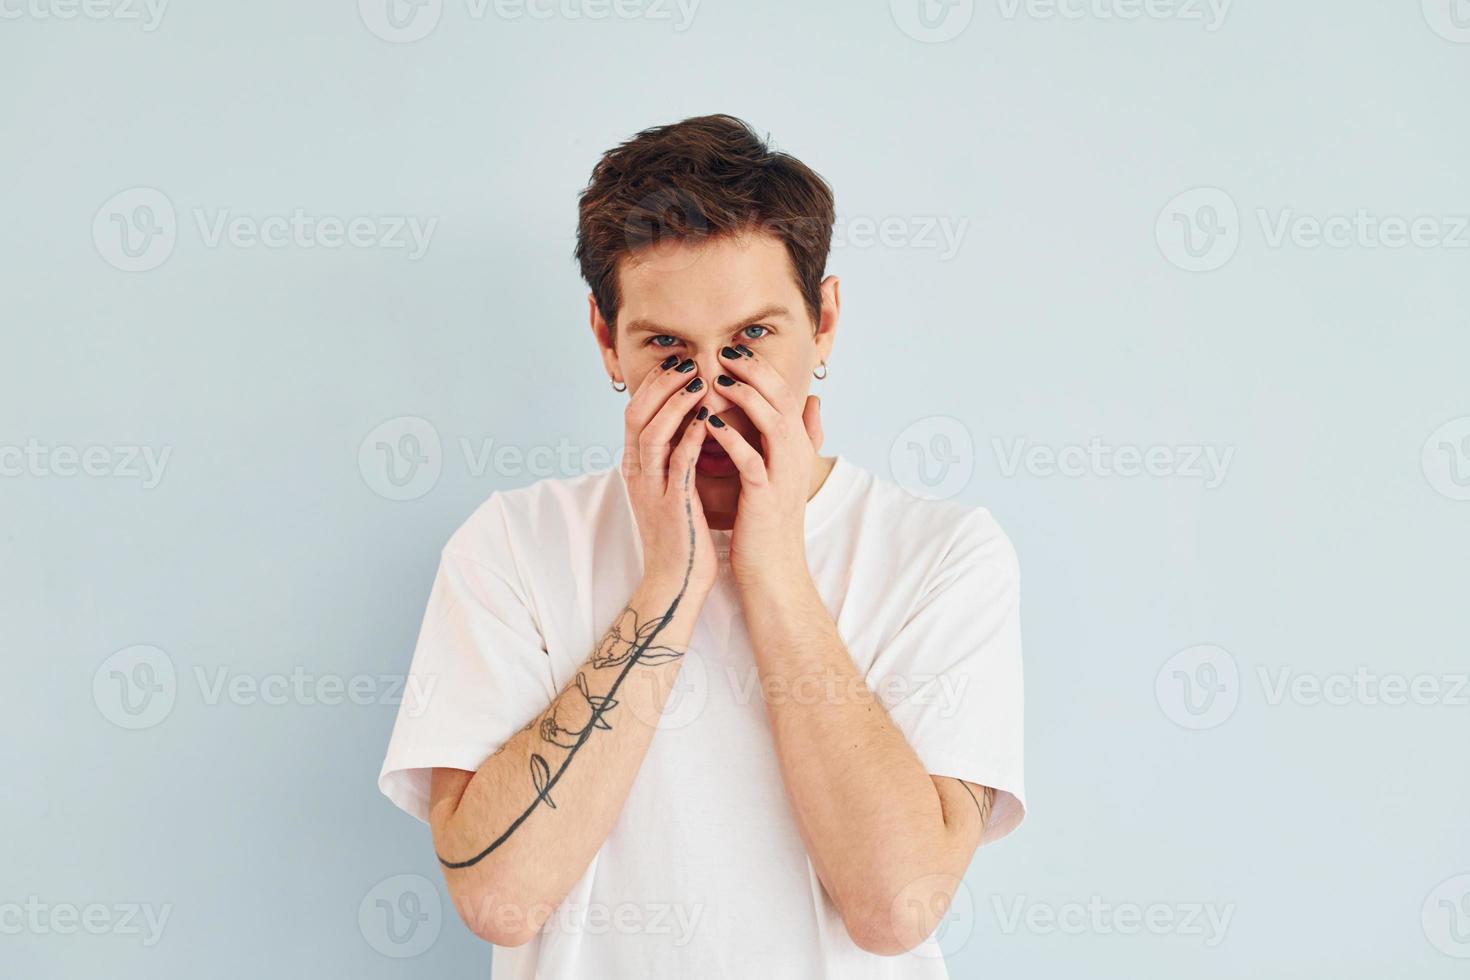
x,y
1058,142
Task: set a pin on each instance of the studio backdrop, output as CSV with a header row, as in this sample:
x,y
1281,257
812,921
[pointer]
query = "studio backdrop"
x,y
1179,290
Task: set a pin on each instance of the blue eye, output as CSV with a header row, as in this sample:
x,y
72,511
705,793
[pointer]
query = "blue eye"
x,y
663,336
757,326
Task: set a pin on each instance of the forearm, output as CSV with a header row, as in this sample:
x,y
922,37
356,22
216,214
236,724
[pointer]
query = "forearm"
x,y
529,821
867,810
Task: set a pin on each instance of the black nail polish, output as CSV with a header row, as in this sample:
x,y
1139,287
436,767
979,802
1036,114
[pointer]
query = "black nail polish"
x,y
703,411
729,352
745,350
725,380
687,366
694,385
669,361
716,421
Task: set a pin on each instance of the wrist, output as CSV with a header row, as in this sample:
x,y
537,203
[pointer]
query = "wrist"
x,y
660,590
780,585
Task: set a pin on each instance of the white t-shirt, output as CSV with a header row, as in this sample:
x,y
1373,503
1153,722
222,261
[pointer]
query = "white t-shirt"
x,y
704,874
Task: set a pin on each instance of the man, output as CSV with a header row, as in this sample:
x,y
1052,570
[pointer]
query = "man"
x,y
732,708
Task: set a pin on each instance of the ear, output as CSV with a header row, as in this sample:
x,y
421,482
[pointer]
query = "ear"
x,y
826,333
811,416
602,333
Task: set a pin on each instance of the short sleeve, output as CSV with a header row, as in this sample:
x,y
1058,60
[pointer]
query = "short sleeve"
x,y
480,670
951,676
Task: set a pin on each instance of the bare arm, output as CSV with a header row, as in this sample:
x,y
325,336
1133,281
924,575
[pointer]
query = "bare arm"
x,y
515,836
889,841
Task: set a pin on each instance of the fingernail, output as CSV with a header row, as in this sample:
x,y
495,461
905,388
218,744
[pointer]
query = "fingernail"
x,y
694,385
669,361
703,411
716,421
687,366
745,350
725,380
729,352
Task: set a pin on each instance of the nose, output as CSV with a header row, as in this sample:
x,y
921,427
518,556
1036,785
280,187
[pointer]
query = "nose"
x,y
710,366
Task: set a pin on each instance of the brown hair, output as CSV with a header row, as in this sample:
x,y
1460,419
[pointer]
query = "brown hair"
x,y
705,177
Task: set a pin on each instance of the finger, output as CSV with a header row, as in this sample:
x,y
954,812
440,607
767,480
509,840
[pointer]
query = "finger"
x,y
662,380
685,455
657,384
811,417
752,468
757,372
654,442
767,417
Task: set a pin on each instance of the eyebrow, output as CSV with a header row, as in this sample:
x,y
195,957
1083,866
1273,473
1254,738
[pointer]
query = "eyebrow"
x,y
773,312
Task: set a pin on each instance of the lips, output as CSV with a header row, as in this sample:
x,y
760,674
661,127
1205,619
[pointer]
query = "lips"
x,y
716,465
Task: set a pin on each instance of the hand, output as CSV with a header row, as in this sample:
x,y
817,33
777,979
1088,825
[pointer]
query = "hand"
x,y
768,542
660,480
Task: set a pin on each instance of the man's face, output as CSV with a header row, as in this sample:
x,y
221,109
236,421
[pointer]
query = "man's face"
x,y
692,298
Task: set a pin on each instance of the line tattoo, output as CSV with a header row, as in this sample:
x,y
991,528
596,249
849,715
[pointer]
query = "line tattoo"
x,y
569,726
984,808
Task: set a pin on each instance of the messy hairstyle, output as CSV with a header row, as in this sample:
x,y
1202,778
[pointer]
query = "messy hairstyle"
x,y
703,178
